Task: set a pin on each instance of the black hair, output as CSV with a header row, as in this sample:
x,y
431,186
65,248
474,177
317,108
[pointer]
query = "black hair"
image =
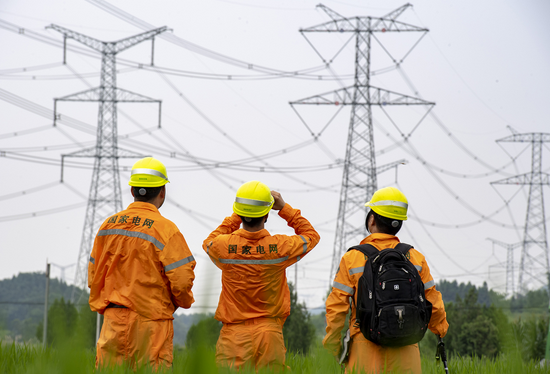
x,y
253,221
146,194
384,224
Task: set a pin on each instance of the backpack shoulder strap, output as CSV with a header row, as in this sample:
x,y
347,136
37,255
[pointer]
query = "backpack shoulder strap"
x,y
403,247
367,249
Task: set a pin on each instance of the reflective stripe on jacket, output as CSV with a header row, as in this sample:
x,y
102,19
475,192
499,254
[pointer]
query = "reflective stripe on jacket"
x,y
345,286
141,260
253,266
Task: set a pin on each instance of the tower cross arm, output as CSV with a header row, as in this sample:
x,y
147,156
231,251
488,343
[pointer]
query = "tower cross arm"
x,y
364,24
124,44
378,96
397,12
391,165
527,138
528,178
342,24
93,152
506,245
95,94
98,45
331,13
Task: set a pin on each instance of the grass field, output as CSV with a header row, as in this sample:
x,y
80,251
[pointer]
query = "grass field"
x,y
21,359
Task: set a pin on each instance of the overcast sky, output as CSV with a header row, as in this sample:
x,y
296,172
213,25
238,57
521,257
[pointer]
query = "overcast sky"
x,y
223,77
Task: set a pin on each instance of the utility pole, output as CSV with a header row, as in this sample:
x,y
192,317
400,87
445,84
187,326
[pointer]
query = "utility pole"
x,y
105,197
510,289
46,297
359,180
534,265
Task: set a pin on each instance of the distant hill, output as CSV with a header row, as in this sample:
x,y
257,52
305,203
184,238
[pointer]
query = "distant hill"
x,y
22,302
182,324
22,306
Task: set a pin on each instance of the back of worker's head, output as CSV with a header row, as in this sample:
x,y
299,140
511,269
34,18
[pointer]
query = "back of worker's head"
x,y
147,179
389,208
253,202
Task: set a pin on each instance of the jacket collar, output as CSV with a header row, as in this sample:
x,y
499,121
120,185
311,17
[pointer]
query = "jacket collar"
x,y
380,240
252,235
143,206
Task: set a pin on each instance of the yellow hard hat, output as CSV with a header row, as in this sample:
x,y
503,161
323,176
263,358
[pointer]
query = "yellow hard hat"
x,y
389,202
253,200
148,172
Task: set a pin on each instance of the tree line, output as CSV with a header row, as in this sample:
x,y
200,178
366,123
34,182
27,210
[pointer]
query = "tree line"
x,y
22,316
482,322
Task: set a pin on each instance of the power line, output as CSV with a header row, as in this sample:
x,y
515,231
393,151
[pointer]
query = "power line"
x,y
462,79
26,132
191,46
31,68
42,212
45,112
30,190
268,72
235,141
59,76
410,149
450,134
469,224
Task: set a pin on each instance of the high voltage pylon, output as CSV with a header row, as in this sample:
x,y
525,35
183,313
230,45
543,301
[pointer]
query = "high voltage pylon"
x,y
359,180
534,266
62,268
105,197
510,289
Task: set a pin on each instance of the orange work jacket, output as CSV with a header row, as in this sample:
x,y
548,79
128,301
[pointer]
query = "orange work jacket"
x,y
345,286
253,266
141,260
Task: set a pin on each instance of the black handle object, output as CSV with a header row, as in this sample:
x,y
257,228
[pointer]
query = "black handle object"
x,y
441,354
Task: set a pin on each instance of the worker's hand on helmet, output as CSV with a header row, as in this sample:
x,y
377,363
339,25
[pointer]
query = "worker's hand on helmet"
x,y
279,202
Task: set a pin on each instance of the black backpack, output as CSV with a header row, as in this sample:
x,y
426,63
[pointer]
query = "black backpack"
x,y
391,309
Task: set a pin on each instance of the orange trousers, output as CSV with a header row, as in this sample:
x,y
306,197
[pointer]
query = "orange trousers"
x,y
126,337
369,358
255,343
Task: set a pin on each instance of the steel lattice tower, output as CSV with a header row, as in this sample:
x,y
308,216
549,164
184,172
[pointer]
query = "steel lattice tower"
x,y
359,180
105,197
510,289
534,265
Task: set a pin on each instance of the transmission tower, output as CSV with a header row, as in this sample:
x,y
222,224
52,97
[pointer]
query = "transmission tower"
x,y
510,289
62,268
359,180
104,198
534,265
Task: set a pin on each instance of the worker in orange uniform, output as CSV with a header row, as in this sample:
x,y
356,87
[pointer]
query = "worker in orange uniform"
x,y
388,211
255,299
140,272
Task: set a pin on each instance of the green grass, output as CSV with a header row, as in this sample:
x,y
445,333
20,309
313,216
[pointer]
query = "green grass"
x,y
27,359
